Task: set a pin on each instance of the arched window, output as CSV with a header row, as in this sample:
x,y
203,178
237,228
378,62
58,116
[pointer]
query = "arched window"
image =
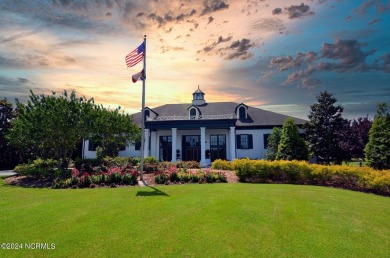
x,y
241,113
193,113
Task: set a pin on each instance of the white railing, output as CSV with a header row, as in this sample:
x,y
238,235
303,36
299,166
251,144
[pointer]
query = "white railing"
x,y
201,117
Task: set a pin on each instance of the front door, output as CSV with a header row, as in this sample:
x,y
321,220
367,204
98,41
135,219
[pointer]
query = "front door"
x,y
191,147
166,148
217,147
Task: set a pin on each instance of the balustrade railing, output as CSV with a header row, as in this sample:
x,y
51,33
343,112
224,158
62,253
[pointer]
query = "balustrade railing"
x,y
200,117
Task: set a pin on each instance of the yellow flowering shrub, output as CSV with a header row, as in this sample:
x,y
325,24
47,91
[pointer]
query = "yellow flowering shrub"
x,y
301,172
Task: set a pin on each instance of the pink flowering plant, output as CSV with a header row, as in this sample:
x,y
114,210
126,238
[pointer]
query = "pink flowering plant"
x,y
181,175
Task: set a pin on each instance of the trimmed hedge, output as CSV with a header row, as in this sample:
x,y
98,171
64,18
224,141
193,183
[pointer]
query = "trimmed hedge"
x,y
42,168
301,172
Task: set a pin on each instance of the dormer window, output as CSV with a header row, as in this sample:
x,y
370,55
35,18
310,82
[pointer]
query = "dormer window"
x,y
193,113
242,111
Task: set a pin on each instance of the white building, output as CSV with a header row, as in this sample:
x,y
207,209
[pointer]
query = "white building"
x,y
203,131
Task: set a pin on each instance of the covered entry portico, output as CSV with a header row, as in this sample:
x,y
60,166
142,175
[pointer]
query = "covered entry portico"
x,y
199,140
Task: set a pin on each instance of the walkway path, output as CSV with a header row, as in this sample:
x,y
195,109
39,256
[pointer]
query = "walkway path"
x,y
7,173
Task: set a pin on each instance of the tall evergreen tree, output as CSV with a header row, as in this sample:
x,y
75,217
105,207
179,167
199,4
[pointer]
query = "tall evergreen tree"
x,y
292,145
325,121
273,142
7,157
378,147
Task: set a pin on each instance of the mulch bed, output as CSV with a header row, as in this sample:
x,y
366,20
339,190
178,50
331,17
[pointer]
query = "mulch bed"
x,y
28,181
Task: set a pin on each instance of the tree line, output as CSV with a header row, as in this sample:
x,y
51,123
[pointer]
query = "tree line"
x,y
52,127
331,138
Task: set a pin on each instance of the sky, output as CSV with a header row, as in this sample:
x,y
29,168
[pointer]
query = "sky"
x,y
271,54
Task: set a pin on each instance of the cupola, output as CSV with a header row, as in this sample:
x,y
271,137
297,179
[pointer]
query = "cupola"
x,y
198,97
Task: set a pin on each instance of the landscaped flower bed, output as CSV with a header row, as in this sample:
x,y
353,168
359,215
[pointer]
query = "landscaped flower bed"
x,y
112,172
179,175
113,177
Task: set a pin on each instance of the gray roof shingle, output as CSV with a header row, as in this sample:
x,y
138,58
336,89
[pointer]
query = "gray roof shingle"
x,y
256,117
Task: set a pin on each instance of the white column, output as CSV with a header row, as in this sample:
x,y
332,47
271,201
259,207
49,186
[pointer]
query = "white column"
x,y
174,147
153,144
232,143
146,145
203,147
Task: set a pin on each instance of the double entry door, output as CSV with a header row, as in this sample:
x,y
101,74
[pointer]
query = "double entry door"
x,y
191,147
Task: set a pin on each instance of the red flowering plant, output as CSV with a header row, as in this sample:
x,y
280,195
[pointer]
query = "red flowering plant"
x,y
173,174
130,170
84,180
75,172
113,170
115,174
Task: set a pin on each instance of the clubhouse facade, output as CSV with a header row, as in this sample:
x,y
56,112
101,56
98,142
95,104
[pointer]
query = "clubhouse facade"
x,y
203,131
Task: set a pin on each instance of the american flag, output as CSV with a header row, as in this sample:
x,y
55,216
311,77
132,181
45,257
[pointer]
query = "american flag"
x,y
135,56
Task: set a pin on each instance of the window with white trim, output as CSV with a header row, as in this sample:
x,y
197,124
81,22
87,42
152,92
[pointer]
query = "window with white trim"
x,y
244,141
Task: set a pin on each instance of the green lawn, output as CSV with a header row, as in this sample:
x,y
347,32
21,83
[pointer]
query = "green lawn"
x,y
215,220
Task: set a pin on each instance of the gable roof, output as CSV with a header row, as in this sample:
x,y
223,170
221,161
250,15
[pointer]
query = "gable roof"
x,y
256,117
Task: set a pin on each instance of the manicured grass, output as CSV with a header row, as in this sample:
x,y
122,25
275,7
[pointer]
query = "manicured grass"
x,y
353,163
214,220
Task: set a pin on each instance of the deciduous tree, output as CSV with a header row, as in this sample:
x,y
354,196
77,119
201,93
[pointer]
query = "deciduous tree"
x,y
112,129
52,126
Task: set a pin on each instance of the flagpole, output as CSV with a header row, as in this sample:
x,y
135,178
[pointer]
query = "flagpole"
x,y
143,118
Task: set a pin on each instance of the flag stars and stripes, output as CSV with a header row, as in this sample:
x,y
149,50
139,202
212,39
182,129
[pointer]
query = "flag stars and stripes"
x,y
135,56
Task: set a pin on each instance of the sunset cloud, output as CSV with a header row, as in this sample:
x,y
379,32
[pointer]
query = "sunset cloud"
x,y
277,50
342,56
294,11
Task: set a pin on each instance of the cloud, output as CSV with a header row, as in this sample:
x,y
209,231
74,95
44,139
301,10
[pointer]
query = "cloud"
x,y
19,88
77,15
374,21
383,63
34,61
342,56
239,49
349,53
297,11
167,18
269,24
294,11
276,10
210,47
23,80
211,6
169,48
377,5
286,62
17,36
